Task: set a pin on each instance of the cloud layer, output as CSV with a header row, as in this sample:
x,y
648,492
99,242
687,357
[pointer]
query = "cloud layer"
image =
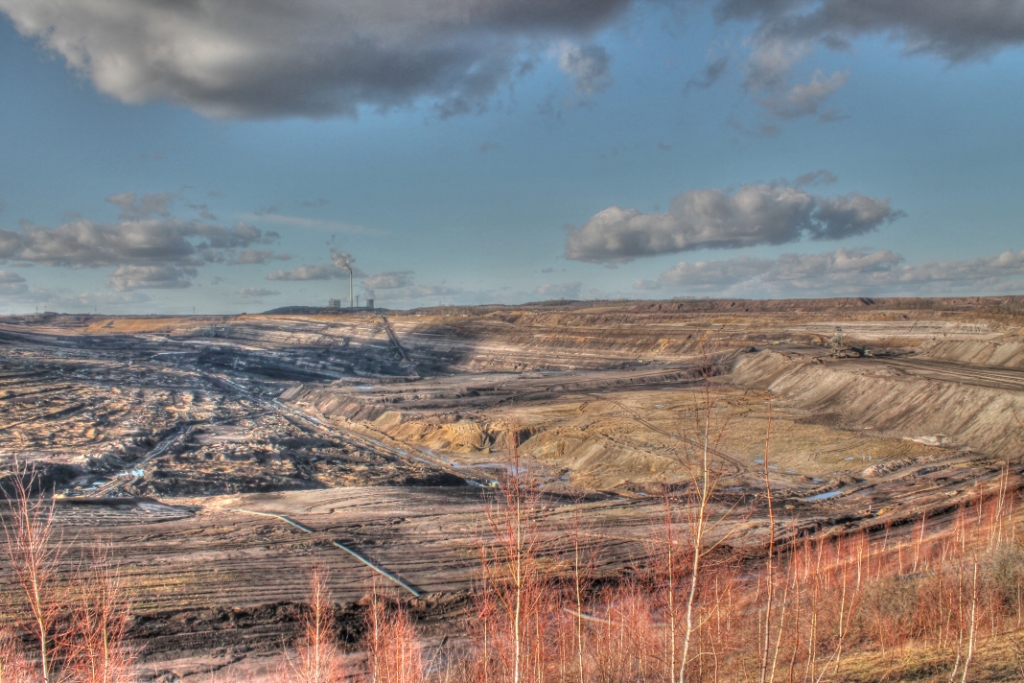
x,y
389,280
314,58
716,219
257,257
564,290
587,65
787,31
257,292
11,284
239,59
319,271
148,248
83,243
843,272
955,30
126,278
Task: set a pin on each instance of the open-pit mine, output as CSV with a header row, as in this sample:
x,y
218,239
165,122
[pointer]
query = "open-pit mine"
x,y
218,459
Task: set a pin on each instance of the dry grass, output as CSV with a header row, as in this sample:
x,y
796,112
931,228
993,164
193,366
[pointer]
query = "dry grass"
x,y
942,600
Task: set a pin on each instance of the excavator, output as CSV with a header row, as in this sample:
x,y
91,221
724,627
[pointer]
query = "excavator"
x,y
841,350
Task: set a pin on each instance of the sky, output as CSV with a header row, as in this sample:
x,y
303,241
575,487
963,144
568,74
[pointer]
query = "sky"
x,y
226,156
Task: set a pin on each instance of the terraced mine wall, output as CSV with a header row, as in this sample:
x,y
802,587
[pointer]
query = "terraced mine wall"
x,y
937,403
1000,353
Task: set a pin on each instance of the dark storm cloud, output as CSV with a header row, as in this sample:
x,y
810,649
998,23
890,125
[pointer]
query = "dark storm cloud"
x,y
314,58
716,219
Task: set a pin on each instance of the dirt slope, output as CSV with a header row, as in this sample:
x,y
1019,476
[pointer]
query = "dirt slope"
x,y
901,398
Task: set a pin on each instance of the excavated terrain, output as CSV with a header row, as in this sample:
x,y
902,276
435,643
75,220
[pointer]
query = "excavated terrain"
x,y
165,438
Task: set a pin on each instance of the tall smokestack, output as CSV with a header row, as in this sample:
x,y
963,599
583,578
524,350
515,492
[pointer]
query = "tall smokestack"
x,y
343,260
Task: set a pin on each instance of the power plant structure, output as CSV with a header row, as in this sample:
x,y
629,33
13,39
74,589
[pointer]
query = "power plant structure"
x,y
336,305
344,260
351,301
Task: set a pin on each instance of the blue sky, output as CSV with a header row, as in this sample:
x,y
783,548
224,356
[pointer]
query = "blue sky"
x,y
160,156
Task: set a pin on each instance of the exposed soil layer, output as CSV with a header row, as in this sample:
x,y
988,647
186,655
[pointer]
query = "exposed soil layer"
x,y
165,435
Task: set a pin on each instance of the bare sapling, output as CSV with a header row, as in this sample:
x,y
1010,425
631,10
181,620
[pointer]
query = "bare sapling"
x,y
704,478
14,666
319,659
582,578
97,644
627,646
393,649
667,568
770,561
512,571
36,552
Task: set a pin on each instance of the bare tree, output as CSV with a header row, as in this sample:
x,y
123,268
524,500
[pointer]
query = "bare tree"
x,y
513,574
708,434
98,651
394,652
14,667
36,551
319,658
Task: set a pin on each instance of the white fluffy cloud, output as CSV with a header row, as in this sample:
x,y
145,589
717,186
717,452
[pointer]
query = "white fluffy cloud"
x,y
242,59
804,99
83,243
716,219
389,280
126,278
587,65
843,272
341,266
148,246
133,208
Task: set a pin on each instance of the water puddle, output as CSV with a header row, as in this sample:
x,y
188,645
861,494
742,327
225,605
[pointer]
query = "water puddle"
x,y
822,496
